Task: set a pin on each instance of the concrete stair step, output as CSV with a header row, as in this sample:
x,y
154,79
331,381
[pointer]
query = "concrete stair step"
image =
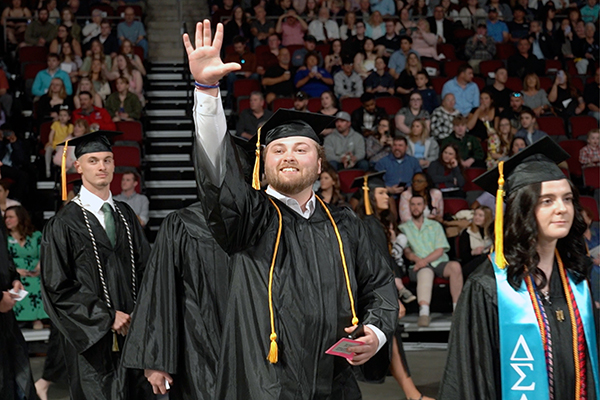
x,y
169,134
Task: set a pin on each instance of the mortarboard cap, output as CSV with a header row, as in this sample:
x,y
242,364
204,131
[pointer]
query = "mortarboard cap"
x,y
536,163
369,182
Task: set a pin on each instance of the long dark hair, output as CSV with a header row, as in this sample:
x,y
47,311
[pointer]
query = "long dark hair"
x,y
521,233
427,191
25,227
385,217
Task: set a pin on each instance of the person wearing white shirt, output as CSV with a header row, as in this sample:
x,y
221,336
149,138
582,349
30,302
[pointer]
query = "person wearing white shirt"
x,y
323,28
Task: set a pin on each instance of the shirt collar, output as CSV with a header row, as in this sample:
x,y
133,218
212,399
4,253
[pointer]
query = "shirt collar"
x,y
293,203
95,203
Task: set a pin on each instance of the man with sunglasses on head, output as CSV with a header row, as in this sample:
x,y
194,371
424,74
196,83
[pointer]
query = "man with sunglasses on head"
x,y
513,112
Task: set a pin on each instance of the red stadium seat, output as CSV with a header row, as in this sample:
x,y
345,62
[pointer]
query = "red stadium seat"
x,y
139,51
479,82
45,132
314,104
581,125
573,147
470,175
553,126
485,67
32,69
589,202
447,50
260,50
391,104
571,68
243,87
432,64
346,177
451,68
127,156
452,206
438,83
115,185
591,177
462,33
514,84
323,49
282,102
293,47
577,83
553,66
136,9
349,104
132,131
546,83
504,50
30,54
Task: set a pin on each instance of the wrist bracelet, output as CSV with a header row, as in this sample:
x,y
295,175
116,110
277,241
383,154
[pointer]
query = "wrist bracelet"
x,y
202,86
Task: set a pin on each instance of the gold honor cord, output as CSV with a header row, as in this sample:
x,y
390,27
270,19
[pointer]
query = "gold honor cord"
x,y
499,223
368,208
63,171
256,171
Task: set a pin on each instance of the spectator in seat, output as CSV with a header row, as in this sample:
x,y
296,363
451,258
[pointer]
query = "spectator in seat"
x,y
463,88
333,60
562,90
124,68
535,97
481,119
92,28
261,28
513,112
497,29
324,29
15,30
139,203
301,101
222,13
442,118
68,19
354,44
128,51
519,26
246,59
40,31
379,82
5,202
96,117
543,46
329,190
49,104
98,76
589,155
292,30
237,26
385,7
404,23
480,47
310,45
133,30
503,9
375,28
86,85
426,251
591,96
78,8
124,105
524,63
476,240
59,131
406,82
110,43
498,143
269,59
434,201
587,48
277,80
329,104
500,93
414,110
364,118
253,117
80,128
379,144
441,26
6,99
69,62
344,147
312,79
447,172
15,159
43,78
96,53
364,10
422,147
310,12
390,42
469,148
472,15
424,42
423,87
62,37
348,27
347,83
364,61
590,12
399,167
528,130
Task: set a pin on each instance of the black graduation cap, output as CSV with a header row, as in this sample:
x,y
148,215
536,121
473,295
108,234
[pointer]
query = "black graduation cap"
x,y
93,142
287,123
536,163
369,182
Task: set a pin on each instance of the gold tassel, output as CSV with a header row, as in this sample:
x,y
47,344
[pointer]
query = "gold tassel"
x,y
273,356
115,347
499,223
368,208
256,171
63,172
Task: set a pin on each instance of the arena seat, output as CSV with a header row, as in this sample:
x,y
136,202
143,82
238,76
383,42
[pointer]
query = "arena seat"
x,y
454,205
349,104
591,177
346,177
127,156
553,126
282,102
581,125
132,131
589,202
391,104
314,104
470,175
573,147
243,87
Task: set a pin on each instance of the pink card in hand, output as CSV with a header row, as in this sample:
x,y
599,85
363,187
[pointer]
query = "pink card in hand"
x,y
341,348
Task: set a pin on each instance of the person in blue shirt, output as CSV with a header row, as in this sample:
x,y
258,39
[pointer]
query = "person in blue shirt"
x,y
463,88
497,29
397,61
133,31
312,79
42,80
399,167
385,7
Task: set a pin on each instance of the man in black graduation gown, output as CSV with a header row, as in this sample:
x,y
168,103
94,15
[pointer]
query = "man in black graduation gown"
x,y
289,295
15,372
93,254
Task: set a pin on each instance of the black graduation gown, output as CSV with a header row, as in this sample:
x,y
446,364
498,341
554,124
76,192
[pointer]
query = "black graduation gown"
x,y
182,303
74,300
14,357
311,304
473,364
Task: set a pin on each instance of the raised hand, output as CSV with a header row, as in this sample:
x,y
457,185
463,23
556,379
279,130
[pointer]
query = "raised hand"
x,y
205,60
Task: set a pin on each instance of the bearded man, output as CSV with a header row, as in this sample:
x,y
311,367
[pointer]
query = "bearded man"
x,y
301,273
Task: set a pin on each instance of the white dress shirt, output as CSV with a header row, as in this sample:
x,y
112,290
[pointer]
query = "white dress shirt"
x,y
94,204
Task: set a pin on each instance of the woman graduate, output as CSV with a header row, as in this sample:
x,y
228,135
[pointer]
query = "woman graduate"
x,y
523,328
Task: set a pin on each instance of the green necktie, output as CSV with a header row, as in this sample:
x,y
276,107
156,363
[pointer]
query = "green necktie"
x,y
109,223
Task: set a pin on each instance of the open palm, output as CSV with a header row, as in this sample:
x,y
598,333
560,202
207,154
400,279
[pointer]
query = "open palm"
x,y
205,60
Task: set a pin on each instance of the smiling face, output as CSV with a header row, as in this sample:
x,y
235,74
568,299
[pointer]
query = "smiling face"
x,y
554,211
419,183
96,169
292,164
11,220
479,218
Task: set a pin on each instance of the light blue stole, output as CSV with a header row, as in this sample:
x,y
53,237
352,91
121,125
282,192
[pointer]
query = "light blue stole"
x,y
522,358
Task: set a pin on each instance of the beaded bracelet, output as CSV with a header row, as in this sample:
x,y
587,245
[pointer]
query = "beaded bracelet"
x,y
202,86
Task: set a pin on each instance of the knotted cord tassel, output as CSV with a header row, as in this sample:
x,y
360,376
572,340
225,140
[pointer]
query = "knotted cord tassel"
x,y
368,208
273,356
499,223
115,347
63,172
256,171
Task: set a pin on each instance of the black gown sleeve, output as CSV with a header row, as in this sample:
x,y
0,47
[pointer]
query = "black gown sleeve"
x,y
473,368
79,314
464,246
